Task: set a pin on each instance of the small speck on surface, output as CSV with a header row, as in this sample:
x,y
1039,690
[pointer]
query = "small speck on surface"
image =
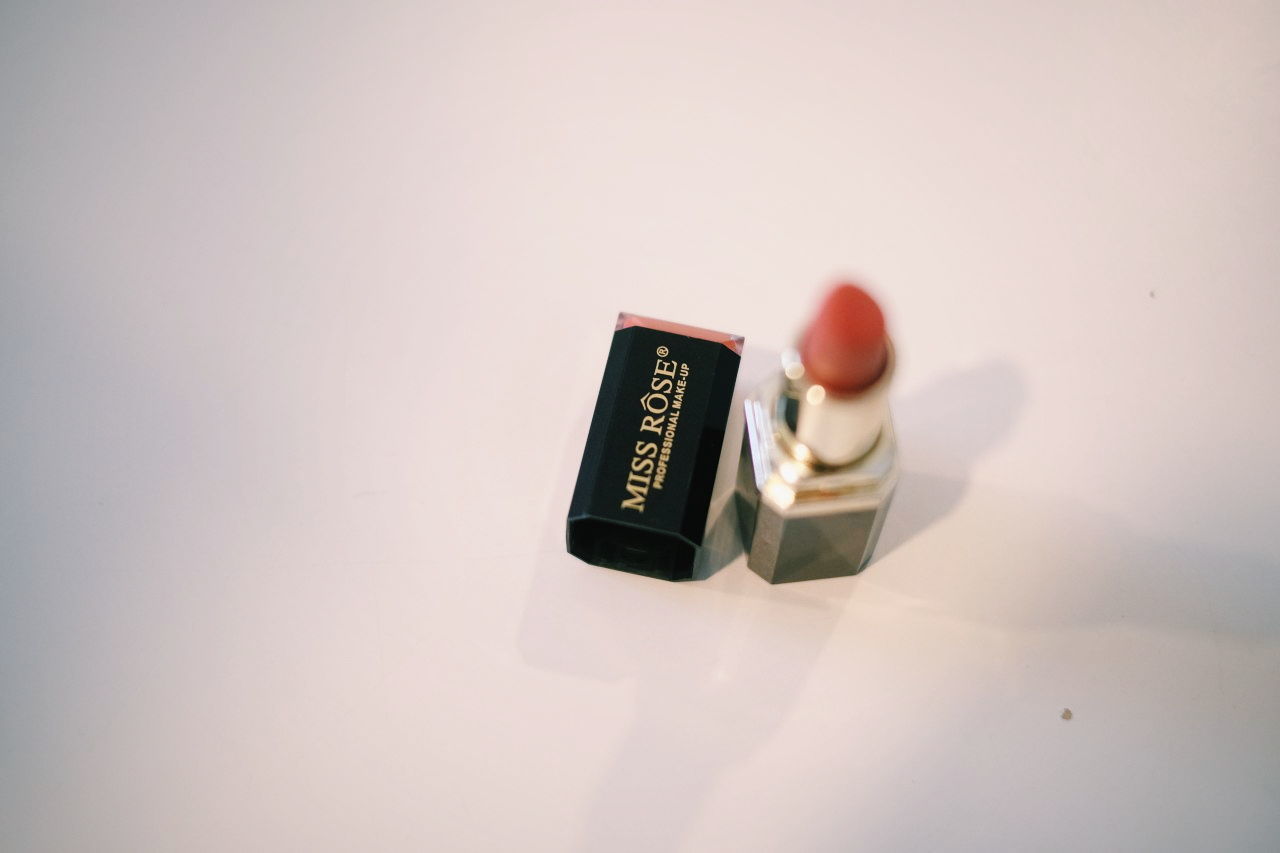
x,y
1151,293
1066,713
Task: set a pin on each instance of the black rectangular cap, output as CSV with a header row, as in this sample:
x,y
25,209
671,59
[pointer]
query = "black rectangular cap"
x,y
644,486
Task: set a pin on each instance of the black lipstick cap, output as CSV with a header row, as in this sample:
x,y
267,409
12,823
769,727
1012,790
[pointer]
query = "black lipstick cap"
x,y
644,486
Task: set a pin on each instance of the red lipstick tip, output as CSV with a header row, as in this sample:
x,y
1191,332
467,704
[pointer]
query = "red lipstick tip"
x,y
844,348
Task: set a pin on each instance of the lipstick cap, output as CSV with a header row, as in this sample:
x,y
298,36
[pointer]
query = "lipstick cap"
x,y
644,487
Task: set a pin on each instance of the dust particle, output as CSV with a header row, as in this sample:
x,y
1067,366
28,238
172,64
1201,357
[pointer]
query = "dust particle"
x,y
1066,713
1151,293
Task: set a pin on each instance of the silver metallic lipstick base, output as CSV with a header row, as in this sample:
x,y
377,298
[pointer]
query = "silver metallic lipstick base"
x,y
802,519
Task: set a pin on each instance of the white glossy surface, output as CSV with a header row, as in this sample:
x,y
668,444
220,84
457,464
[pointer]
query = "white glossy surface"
x,y
302,312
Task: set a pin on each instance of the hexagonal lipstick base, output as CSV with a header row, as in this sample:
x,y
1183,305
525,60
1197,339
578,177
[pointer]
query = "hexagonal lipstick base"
x,y
800,522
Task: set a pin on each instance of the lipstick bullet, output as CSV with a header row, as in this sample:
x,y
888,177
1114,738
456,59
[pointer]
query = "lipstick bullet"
x,y
819,459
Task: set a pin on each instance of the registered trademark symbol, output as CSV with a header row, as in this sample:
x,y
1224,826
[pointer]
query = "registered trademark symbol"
x,y
662,351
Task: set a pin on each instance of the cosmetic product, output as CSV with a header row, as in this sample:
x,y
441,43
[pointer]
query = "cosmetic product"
x,y
645,482
819,459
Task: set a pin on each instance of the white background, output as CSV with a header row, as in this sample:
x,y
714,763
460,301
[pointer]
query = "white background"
x,y
302,315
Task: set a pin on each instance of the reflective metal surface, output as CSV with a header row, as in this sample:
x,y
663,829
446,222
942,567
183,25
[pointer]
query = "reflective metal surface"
x,y
835,429
800,519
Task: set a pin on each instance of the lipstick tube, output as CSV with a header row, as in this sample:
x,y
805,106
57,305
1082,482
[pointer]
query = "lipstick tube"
x,y
819,457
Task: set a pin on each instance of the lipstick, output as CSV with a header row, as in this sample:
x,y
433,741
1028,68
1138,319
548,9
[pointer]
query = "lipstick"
x,y
819,459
